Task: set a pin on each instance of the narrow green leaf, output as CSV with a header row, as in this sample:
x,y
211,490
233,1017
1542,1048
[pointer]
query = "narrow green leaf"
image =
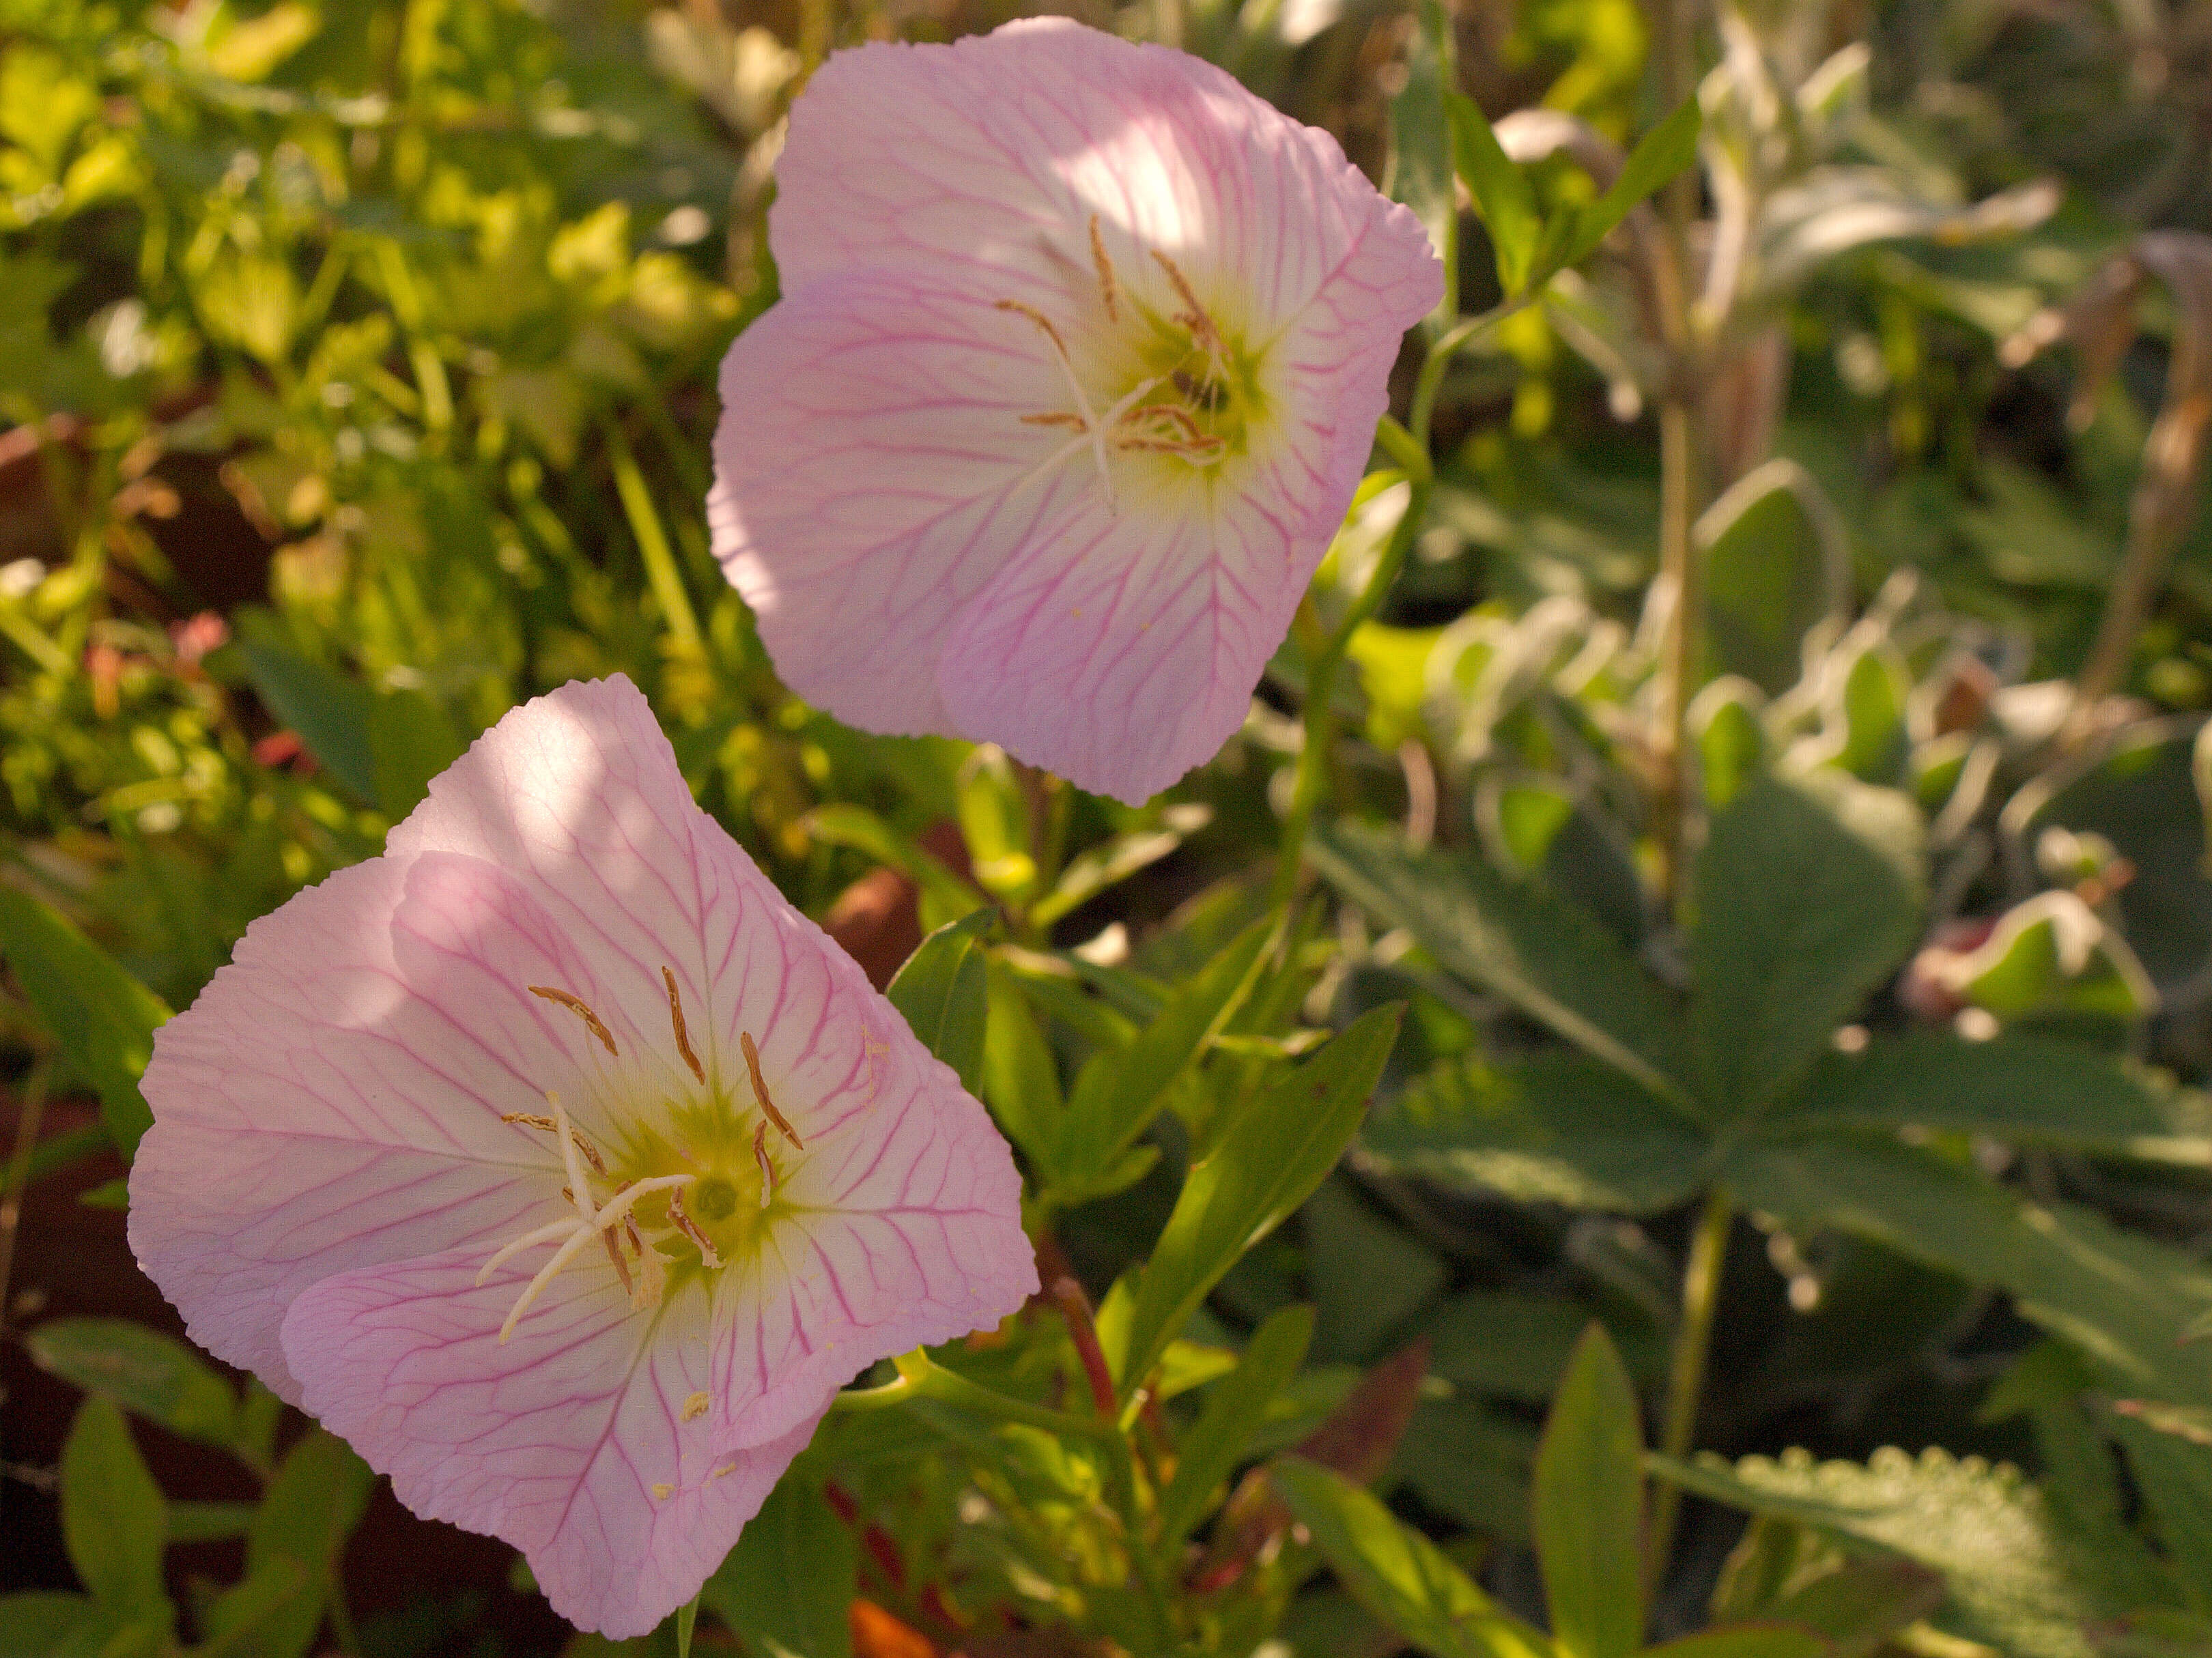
x,y
1798,917
114,1524
2014,1088
1021,1084
687,1618
1762,1640
786,1586
1658,156
942,992
1118,1093
1397,1573
1589,1506
1264,1166
1421,145
1543,955
331,713
1210,1450
47,1624
144,1371
1092,872
1500,190
103,1019
1557,1128
995,821
312,1505
1856,1609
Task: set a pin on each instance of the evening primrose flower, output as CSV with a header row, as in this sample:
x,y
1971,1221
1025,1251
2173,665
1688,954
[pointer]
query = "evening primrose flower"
x,y
558,1164
1078,358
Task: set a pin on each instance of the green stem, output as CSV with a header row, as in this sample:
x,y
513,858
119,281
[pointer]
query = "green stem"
x,y
1681,650
1412,456
1422,410
661,573
1686,1370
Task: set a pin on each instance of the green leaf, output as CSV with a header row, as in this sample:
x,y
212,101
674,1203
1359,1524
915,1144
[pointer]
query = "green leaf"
x,y
1874,696
1557,1128
2120,1298
1543,955
1092,872
1859,1607
1731,744
102,1018
311,1507
995,823
329,712
412,739
687,1619
1798,917
1021,1084
114,1524
2014,1088
942,992
42,1623
786,1586
1469,1463
1266,1162
2174,1473
1368,1275
144,1371
1500,190
1658,156
1421,146
1745,1641
207,1522
1589,1506
944,895
1117,1094
1397,1573
2011,1582
1211,1449
1509,1344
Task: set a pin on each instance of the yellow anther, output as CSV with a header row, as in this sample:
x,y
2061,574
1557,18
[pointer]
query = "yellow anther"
x,y
760,1091
696,1406
1104,266
662,1491
576,1005
676,1018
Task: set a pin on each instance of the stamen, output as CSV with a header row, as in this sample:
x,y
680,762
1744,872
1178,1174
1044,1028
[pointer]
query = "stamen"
x,y
578,1192
622,1267
696,1406
531,1119
760,1091
766,1168
594,1225
514,1247
680,1219
1105,269
1090,424
1203,333
676,1018
576,1005
1060,419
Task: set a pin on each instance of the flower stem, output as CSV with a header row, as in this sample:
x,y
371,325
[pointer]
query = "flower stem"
x,y
1681,650
1686,1370
1412,456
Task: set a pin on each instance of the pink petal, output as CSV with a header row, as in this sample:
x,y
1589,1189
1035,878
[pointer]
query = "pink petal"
x,y
872,430
905,1233
980,162
555,1441
318,1109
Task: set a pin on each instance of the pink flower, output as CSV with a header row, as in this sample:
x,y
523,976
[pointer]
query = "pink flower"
x,y
558,1163
1078,360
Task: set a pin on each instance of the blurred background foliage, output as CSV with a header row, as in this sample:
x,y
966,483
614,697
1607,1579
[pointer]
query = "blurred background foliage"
x,y
357,370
